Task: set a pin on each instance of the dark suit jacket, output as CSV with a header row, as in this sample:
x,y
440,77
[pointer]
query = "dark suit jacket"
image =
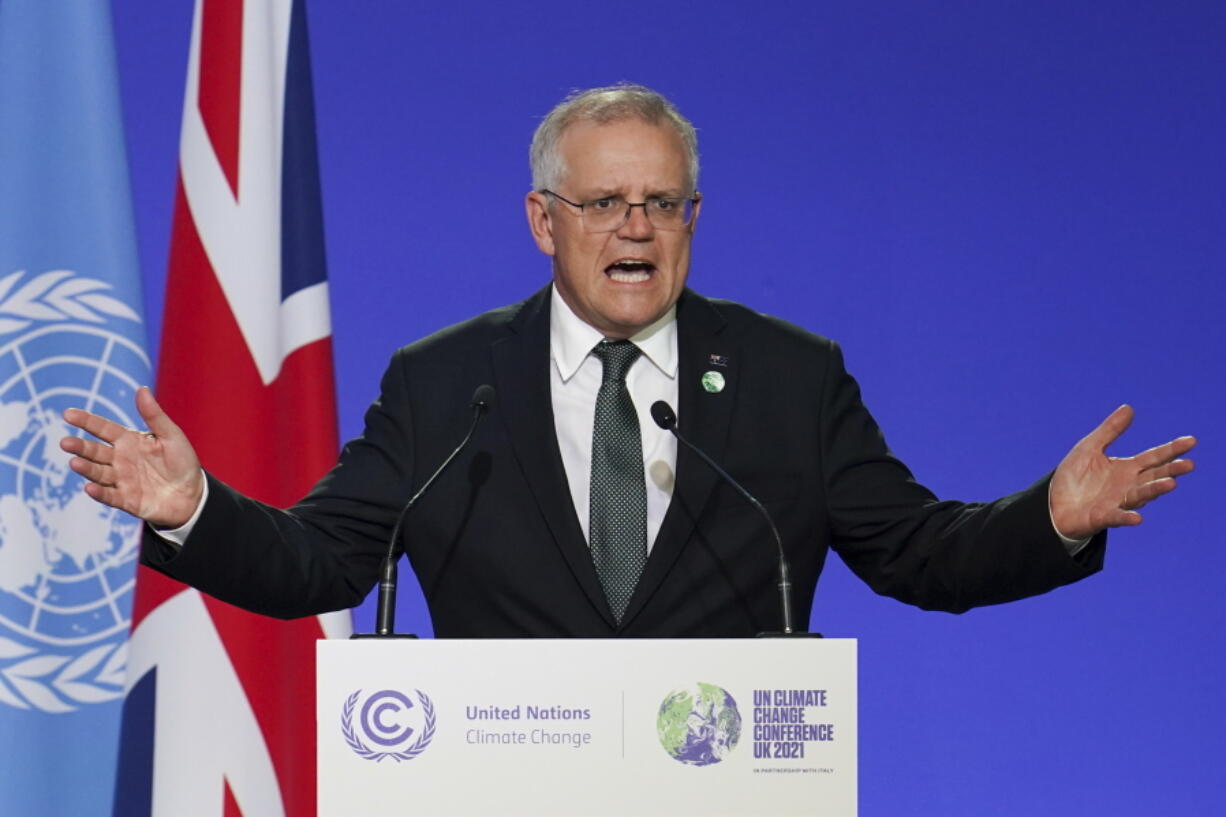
x,y
497,546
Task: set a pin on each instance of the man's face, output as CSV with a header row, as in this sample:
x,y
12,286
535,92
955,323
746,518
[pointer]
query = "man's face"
x,y
622,281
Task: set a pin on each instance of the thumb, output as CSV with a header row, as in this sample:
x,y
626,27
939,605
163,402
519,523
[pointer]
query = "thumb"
x,y
1116,423
158,421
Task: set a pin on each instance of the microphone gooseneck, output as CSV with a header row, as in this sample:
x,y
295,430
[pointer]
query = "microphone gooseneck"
x,y
385,611
666,419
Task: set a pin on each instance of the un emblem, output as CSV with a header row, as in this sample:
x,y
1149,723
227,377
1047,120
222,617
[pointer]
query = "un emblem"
x,y
67,563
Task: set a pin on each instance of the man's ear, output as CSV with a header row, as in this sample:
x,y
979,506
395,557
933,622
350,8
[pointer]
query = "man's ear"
x,y
536,205
697,210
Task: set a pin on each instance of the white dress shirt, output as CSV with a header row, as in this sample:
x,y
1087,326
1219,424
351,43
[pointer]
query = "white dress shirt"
x,y
574,380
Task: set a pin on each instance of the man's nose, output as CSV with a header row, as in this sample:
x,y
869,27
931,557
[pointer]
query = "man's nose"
x,y
637,226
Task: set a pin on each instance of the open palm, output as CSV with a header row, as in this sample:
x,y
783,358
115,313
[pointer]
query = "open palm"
x,y
152,475
1091,491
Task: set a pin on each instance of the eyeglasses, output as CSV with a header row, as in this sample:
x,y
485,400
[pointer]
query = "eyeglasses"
x,y
609,214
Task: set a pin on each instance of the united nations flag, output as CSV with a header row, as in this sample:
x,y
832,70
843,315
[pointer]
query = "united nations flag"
x,y
71,334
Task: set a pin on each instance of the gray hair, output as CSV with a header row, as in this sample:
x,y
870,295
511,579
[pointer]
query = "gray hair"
x,y
602,106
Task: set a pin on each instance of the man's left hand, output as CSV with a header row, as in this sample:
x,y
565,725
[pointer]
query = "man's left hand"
x,y
1091,491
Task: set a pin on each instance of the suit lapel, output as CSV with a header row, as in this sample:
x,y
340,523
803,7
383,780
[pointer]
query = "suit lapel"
x,y
704,418
521,368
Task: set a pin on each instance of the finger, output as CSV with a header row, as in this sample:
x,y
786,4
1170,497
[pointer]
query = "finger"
x,y
1161,454
105,495
159,422
1141,495
100,427
1171,469
100,474
1110,429
90,450
1124,519
73,445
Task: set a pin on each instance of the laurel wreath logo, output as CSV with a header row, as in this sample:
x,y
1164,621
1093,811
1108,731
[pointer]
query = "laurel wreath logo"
x,y
55,296
47,681
362,750
54,683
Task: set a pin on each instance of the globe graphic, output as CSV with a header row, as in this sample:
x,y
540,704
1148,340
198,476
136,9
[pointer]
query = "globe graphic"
x,y
699,725
67,564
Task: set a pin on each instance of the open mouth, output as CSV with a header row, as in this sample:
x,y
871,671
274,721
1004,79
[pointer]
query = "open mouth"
x,y
630,270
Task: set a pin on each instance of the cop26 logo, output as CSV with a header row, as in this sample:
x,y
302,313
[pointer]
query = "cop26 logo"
x,y
389,720
67,564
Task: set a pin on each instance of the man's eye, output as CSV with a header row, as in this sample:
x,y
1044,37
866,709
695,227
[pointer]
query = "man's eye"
x,y
602,204
665,205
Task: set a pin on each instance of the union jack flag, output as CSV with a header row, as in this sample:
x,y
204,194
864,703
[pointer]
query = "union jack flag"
x,y
219,719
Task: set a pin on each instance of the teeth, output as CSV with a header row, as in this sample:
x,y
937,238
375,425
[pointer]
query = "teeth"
x,y
630,271
629,277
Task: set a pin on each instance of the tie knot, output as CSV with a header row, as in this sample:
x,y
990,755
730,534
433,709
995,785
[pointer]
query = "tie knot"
x,y
617,356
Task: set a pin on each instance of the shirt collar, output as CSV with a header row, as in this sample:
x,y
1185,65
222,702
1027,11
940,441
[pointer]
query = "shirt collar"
x,y
571,339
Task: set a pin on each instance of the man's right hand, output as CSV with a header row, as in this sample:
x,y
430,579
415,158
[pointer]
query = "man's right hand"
x,y
154,475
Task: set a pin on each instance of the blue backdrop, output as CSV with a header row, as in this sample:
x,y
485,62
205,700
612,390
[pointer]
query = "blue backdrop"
x,y
1011,215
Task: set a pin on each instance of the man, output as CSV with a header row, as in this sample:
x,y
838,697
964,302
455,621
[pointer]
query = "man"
x,y
572,514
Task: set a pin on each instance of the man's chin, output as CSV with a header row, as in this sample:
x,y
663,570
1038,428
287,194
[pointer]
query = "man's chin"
x,y
628,324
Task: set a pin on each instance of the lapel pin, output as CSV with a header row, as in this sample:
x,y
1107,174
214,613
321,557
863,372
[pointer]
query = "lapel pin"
x,y
713,382
718,360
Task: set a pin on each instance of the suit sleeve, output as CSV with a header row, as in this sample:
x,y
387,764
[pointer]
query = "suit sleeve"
x,y
939,555
322,554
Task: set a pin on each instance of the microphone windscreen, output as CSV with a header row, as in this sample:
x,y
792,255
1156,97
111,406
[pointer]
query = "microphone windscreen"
x,y
664,415
483,397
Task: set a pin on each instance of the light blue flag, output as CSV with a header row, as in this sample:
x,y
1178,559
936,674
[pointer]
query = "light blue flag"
x,y
71,334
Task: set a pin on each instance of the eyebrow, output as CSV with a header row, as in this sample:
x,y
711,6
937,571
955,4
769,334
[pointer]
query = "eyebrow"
x,y
607,193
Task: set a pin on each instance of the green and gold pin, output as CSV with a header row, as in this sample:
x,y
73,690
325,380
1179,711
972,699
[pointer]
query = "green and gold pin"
x,y
713,382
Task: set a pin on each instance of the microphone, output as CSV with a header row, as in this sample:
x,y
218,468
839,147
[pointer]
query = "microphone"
x,y
385,609
666,419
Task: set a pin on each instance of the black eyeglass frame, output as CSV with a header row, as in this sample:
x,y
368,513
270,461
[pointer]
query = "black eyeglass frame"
x,y
694,200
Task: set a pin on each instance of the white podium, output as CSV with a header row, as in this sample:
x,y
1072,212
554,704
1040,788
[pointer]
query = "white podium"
x,y
587,728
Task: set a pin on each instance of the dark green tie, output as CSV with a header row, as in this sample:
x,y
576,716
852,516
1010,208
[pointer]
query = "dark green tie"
x,y
618,522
